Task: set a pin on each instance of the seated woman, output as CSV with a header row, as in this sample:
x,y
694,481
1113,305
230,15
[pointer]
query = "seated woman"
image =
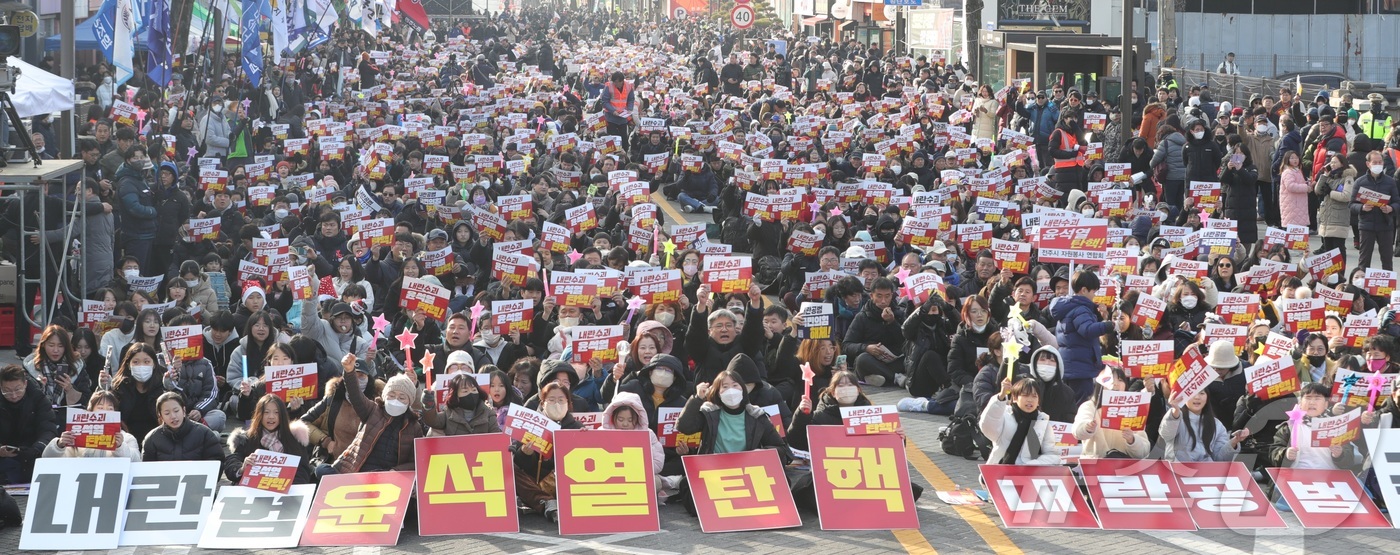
x,y
127,445
271,429
661,384
1100,443
385,439
727,422
58,370
503,392
467,410
138,384
179,438
842,391
534,474
1287,453
1205,440
251,390
1019,431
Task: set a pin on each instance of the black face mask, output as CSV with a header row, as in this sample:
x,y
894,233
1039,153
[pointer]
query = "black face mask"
x,y
127,325
469,401
1317,360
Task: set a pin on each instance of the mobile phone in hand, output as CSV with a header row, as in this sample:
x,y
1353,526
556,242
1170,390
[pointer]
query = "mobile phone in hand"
x,y
840,360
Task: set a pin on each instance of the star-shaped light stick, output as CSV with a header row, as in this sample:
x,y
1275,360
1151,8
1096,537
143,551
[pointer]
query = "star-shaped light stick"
x,y
1348,383
380,324
574,255
634,304
427,362
1011,351
670,248
193,152
807,376
477,309
1295,422
406,339
1375,383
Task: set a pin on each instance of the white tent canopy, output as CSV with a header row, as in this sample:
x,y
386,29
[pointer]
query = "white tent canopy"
x,y
38,91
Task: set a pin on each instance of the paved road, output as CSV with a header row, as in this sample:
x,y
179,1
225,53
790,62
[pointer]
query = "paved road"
x,y
943,528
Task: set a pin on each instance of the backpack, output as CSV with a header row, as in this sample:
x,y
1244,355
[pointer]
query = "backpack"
x,y
957,437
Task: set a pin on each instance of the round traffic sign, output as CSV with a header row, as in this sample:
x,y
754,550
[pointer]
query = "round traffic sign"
x,y
742,16
27,22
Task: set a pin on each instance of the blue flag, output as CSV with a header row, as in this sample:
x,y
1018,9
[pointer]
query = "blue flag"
x,y
249,27
104,28
158,43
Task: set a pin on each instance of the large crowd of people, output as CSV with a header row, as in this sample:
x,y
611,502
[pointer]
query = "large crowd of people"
x,y
446,138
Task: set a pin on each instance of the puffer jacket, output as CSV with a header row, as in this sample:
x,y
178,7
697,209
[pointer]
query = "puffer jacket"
x,y
962,359
196,382
1202,159
634,402
138,204
1077,334
192,441
869,327
826,413
703,416
240,446
203,293
375,422
1057,399
999,425
334,418
1293,197
1170,150
1334,214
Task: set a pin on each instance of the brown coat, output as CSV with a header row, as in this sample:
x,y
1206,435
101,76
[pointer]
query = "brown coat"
x,y
376,421
334,417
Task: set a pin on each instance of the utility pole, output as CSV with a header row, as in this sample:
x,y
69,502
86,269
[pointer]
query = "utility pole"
x,y
1125,97
1166,33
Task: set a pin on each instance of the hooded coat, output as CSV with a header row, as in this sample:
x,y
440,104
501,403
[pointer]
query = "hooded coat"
x,y
632,401
1077,334
1334,214
480,419
998,423
240,446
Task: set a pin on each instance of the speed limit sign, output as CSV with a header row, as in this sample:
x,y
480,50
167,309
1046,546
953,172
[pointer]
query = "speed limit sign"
x,y
742,16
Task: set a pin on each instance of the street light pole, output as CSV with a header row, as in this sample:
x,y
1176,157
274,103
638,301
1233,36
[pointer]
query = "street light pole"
x,y
1125,97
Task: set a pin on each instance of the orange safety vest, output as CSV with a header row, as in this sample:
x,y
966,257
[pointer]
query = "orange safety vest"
x,y
619,98
1068,142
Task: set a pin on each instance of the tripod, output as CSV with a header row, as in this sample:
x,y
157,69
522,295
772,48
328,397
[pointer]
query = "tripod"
x,y
17,125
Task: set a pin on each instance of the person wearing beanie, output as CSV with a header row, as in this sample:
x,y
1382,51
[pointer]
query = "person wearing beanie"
x,y
465,410
726,421
533,470
391,422
758,391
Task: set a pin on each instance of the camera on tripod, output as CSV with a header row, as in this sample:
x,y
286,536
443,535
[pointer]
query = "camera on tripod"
x,y
9,46
24,151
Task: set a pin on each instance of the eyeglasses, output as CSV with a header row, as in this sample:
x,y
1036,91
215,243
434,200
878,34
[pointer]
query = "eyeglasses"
x,y
722,326
973,311
13,392
1225,265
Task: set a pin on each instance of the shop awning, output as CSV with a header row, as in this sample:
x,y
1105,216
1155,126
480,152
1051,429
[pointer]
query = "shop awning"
x,y
812,21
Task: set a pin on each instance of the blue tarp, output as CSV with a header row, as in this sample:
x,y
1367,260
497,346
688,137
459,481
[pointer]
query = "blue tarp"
x,y
85,39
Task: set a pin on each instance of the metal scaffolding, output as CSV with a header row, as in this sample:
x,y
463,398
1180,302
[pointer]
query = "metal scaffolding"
x,y
19,181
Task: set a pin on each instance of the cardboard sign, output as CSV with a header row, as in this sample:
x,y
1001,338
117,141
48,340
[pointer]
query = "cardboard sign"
x,y
605,482
1358,328
1206,193
1147,359
466,485
1014,256
1322,265
1235,335
66,512
741,491
184,342
531,428
294,381
817,319
1327,499
1239,309
589,420
818,282
365,508
728,274
1384,444
248,518
1191,375
861,481
581,218
205,229
488,223
509,317
1125,410
299,279
1272,378
570,289
1223,496
439,262
418,294
595,342
94,430
1136,495
871,419
271,471
666,429
1379,283
512,268
1302,314
167,502
1326,431
655,285
1032,496
1350,388
1069,240
1148,312
1066,444
1333,300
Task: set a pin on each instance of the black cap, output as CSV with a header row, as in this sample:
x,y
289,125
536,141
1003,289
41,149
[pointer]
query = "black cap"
x,y
341,308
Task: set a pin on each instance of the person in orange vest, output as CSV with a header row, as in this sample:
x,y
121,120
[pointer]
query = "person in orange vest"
x,y
1067,150
618,99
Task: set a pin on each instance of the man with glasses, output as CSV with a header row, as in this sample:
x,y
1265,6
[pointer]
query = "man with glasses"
x,y
28,424
716,336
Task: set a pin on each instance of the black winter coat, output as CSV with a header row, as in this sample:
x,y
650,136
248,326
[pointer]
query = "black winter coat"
x,y
190,442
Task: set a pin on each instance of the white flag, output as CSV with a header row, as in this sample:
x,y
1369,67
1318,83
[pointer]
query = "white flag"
x,y
128,19
279,28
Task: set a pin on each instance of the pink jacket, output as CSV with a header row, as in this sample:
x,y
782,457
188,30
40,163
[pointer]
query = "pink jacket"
x,y
1293,198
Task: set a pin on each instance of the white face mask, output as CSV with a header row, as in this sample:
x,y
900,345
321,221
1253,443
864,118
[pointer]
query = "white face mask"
x,y
395,407
731,397
567,323
1332,279
1377,169
217,108
1359,283
131,274
280,213
662,378
1198,134
665,318
191,283
555,411
1261,129
1188,302
142,372
1087,212
979,328
1046,371
847,394
491,337
896,169
690,269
